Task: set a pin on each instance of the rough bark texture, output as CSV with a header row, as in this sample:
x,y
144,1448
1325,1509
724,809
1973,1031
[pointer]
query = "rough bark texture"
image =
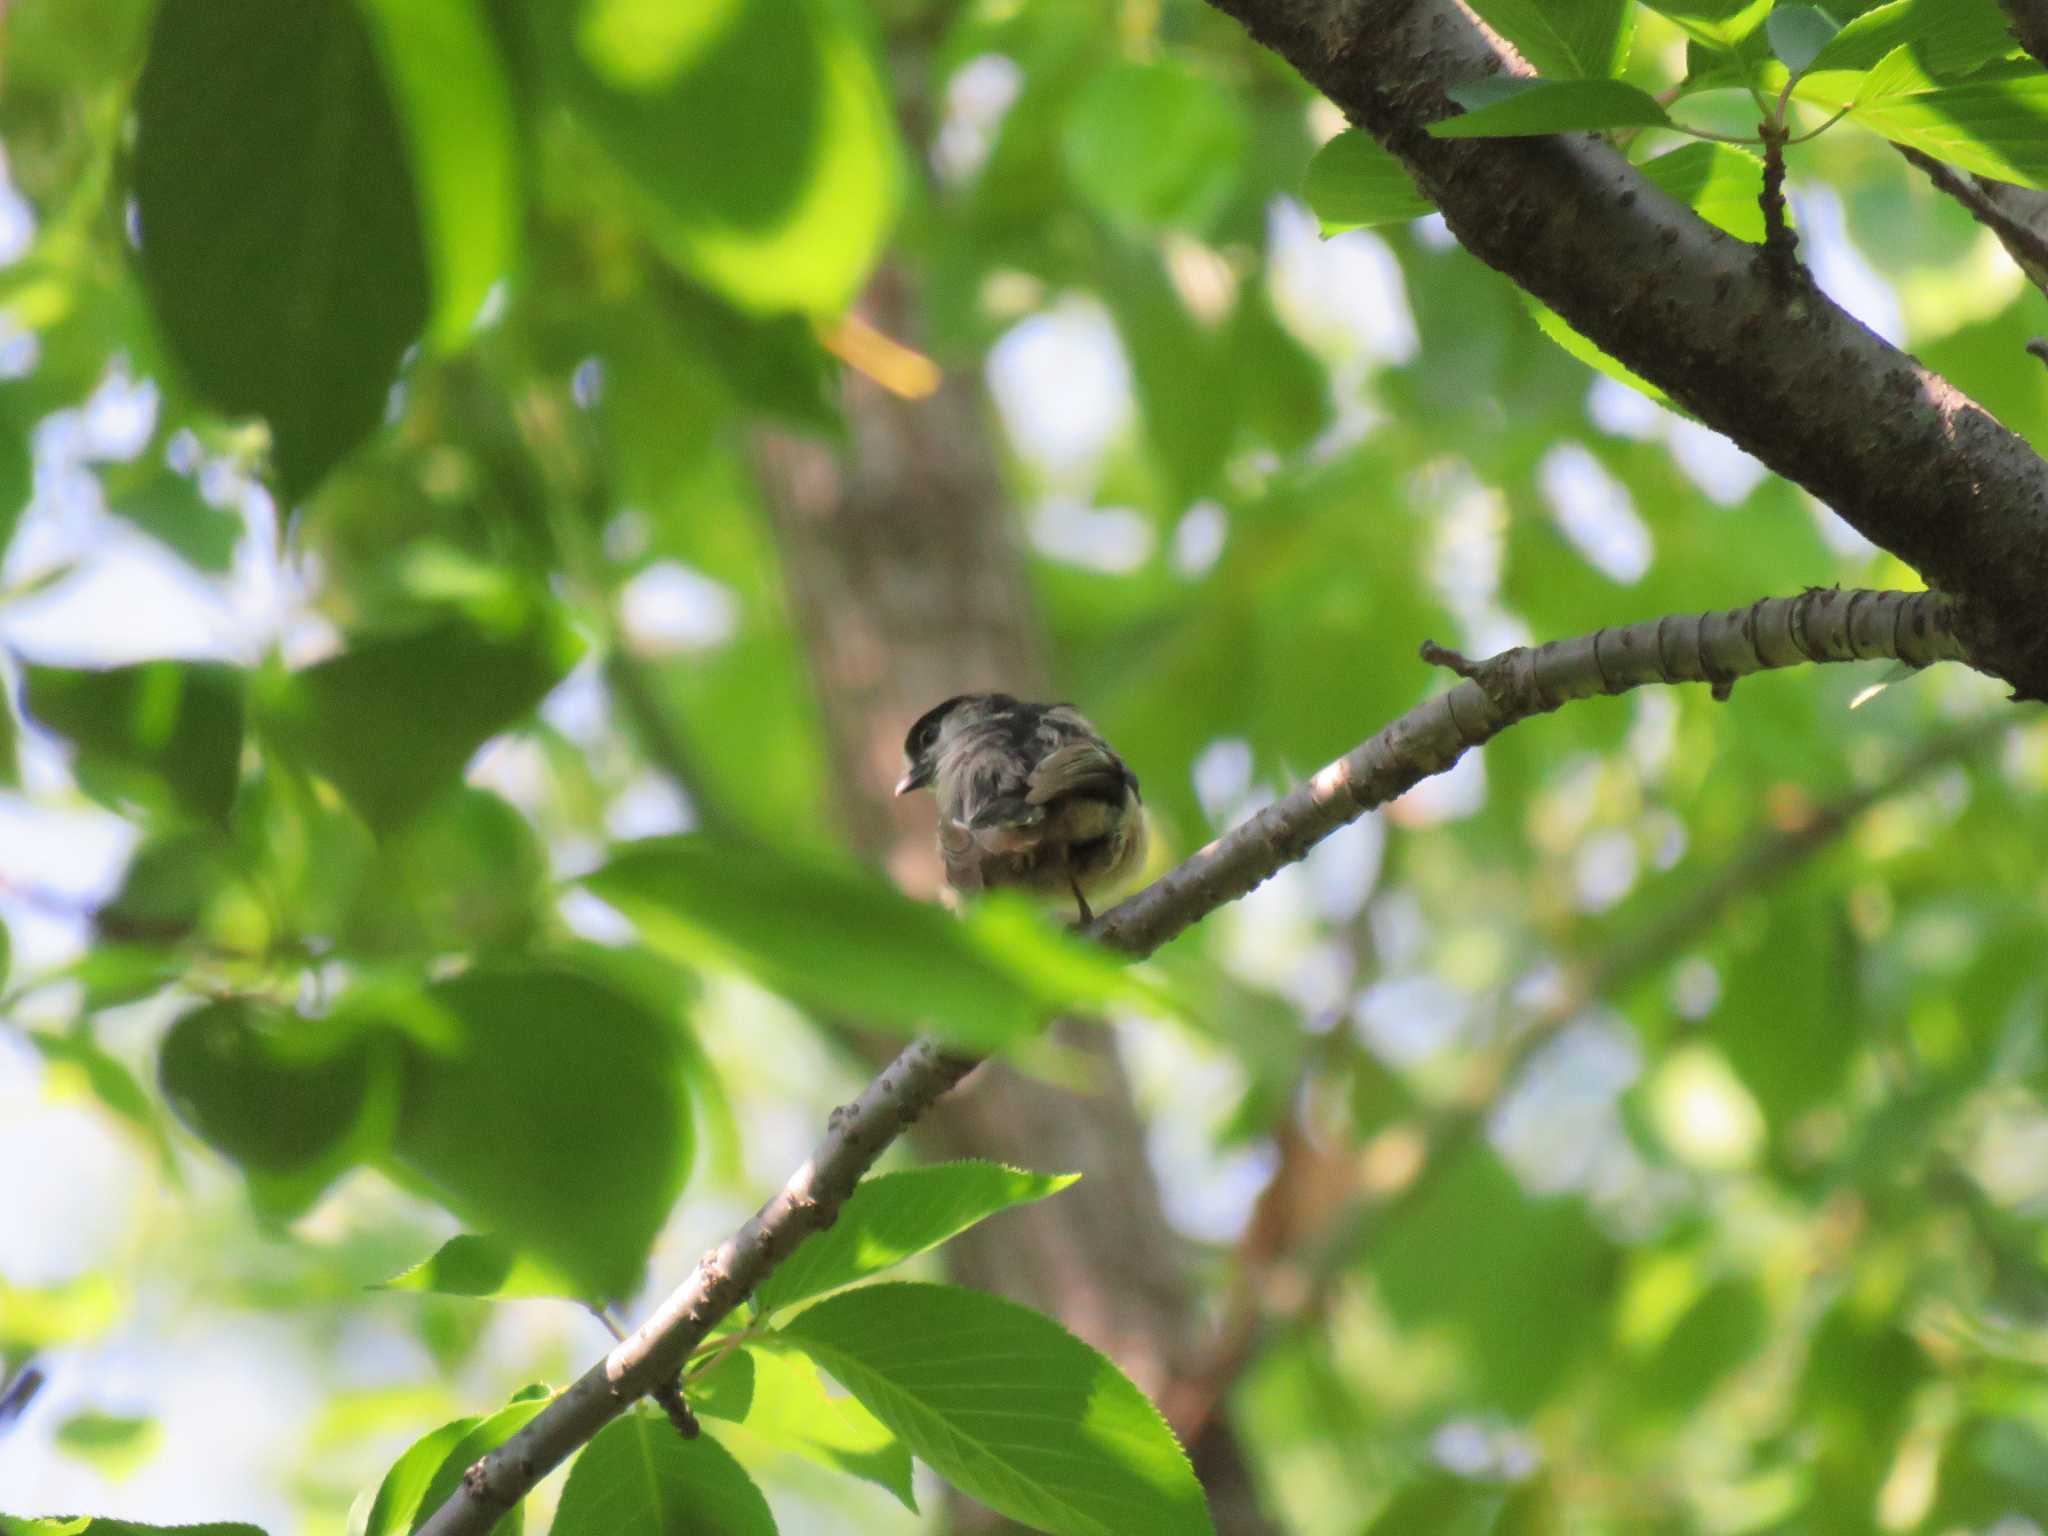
x,y
909,588
2030,25
1893,447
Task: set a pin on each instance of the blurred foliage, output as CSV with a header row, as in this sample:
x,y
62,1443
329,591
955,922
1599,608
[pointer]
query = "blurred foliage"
x,y
430,345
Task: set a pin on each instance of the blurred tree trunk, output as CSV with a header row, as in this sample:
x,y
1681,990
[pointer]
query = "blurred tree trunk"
x,y
908,586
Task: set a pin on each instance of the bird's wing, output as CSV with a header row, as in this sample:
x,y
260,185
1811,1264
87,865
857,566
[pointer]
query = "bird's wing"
x,y
1081,767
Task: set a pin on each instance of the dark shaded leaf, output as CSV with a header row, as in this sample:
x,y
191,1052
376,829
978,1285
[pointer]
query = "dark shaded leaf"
x,y
161,733
554,1113
394,719
280,237
291,1101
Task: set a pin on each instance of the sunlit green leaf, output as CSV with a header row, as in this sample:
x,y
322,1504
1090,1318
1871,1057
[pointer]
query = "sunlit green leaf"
x,y
114,1444
399,1496
1565,38
441,61
640,1478
895,1216
1718,23
478,1438
1008,1407
1946,36
1994,123
476,1265
789,1409
758,133
1504,107
1354,184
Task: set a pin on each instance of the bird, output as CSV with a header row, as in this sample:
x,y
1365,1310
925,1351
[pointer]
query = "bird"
x,y
1030,797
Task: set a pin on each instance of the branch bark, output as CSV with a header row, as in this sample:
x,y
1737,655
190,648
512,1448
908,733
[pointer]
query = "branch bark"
x,y
1818,625
1903,455
2018,216
2030,25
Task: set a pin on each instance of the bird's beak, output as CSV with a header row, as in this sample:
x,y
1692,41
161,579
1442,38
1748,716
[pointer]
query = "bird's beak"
x,y
916,778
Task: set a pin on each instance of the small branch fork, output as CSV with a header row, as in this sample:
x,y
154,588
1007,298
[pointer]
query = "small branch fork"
x,y
1821,624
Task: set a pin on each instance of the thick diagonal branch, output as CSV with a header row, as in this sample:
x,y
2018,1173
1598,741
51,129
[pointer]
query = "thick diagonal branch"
x,y
1717,648
1897,450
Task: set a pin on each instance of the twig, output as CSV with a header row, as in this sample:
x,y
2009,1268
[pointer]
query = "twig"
x,y
1818,625
2023,242
1781,244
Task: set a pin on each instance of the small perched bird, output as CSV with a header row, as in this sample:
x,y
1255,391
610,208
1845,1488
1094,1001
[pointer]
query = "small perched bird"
x,y
1030,797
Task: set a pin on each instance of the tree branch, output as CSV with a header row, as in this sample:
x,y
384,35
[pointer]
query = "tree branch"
x,y
2030,25
1821,624
1903,455
2015,215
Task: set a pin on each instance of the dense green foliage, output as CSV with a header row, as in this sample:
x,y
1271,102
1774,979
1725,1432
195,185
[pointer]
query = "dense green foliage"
x,y
413,1016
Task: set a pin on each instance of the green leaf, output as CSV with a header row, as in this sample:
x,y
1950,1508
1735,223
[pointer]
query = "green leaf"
x,y
1799,33
114,1444
293,1102
896,1216
1509,108
1946,36
476,1441
726,1390
1721,183
790,1410
1154,144
162,733
1354,184
758,133
441,60
475,1265
843,940
554,1114
1441,1266
393,1511
1995,123
1443,1504
640,1478
1569,39
442,691
34,1318
280,241
100,1525
1721,24
17,462
1007,1406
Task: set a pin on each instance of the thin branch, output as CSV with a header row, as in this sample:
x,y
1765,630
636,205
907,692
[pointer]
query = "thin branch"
x,y
1990,205
2030,25
1781,245
1821,624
